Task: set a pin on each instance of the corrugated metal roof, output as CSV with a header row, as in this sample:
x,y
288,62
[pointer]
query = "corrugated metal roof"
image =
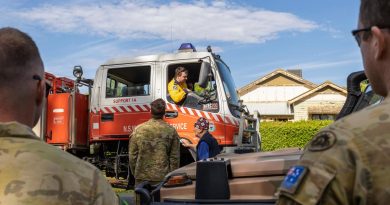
x,y
253,84
270,108
274,93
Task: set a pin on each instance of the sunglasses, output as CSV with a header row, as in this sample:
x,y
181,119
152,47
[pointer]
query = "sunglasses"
x,y
356,32
48,86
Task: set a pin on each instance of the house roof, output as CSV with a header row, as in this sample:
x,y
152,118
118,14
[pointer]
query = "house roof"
x,y
313,91
253,85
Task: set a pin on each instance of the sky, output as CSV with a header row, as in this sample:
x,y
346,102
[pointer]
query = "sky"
x,y
254,38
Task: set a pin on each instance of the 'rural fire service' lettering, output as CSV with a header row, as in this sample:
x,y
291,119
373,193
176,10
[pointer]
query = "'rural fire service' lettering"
x,y
180,126
125,100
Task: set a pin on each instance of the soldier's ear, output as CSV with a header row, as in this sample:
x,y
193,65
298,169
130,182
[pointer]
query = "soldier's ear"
x,y
40,93
378,43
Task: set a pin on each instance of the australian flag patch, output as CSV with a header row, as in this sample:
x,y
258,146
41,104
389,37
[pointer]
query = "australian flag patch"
x,y
293,178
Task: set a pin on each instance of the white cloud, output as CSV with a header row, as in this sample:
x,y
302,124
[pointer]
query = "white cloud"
x,y
335,33
219,21
93,54
89,56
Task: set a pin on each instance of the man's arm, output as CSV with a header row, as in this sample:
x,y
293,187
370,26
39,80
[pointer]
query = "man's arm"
x,y
174,157
203,151
325,194
325,174
133,152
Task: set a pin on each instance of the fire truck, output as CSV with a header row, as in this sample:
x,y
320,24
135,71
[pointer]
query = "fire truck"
x,y
96,126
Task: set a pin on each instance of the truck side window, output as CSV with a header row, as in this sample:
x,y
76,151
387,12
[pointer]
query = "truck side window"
x,y
128,81
110,87
207,99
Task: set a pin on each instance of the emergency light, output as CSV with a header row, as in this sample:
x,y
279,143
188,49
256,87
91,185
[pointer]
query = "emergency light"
x,y
77,71
187,47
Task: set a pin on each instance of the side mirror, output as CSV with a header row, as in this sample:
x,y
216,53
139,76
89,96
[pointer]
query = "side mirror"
x,y
354,93
369,98
205,69
360,94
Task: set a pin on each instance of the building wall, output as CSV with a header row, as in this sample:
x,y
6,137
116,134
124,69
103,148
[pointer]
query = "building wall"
x,y
272,100
273,93
269,108
322,103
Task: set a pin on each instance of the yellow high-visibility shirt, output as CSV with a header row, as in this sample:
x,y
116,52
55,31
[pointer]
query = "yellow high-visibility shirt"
x,y
199,90
176,90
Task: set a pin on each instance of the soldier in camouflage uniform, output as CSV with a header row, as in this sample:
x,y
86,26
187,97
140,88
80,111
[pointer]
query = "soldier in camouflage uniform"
x,y
348,162
31,171
154,147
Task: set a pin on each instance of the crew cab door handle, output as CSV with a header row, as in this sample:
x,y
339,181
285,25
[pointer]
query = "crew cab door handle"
x,y
171,114
107,117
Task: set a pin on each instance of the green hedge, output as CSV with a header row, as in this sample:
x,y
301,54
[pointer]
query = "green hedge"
x,y
277,135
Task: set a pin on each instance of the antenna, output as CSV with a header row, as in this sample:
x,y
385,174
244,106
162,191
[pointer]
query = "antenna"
x,y
171,39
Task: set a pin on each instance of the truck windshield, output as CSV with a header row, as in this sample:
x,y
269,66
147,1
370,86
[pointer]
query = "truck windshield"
x,y
228,86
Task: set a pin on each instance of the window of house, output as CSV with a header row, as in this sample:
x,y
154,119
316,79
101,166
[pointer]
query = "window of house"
x,y
128,81
322,116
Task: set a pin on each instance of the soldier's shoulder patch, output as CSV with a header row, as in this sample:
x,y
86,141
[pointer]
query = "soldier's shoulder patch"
x,y
293,179
322,141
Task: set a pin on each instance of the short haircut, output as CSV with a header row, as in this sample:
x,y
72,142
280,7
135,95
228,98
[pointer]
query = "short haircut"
x,y
375,12
180,70
17,52
158,108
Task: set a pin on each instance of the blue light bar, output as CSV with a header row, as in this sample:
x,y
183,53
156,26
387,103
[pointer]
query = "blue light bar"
x,y
187,47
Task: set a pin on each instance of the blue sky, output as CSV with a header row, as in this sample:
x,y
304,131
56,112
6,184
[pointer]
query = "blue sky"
x,y
253,37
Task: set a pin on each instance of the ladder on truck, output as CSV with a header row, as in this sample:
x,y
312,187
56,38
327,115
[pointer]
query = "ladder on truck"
x,y
249,138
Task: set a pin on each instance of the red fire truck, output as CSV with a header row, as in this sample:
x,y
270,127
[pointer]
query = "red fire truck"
x,y
96,126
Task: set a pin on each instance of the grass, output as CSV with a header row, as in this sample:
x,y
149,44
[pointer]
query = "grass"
x,y
122,191
119,186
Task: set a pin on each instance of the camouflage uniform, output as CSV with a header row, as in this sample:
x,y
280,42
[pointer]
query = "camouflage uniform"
x,y
35,173
154,150
346,163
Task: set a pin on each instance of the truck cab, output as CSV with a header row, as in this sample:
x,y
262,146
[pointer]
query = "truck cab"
x,y
124,88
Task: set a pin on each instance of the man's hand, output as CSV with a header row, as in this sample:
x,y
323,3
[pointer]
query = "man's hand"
x,y
186,143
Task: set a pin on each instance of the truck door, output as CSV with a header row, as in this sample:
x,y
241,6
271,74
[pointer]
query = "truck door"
x,y
125,96
229,102
184,115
